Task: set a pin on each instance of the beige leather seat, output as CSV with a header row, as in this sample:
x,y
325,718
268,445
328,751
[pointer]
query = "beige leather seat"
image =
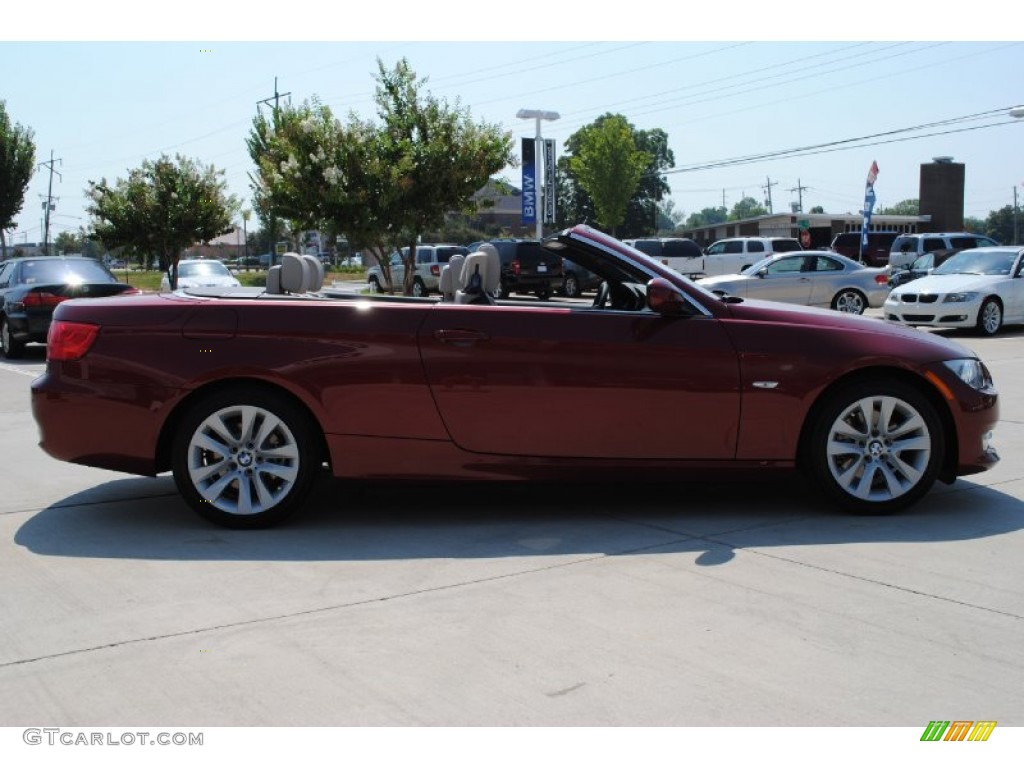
x,y
296,273
451,272
480,277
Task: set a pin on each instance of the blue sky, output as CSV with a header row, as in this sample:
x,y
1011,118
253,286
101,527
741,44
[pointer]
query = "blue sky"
x,y
103,104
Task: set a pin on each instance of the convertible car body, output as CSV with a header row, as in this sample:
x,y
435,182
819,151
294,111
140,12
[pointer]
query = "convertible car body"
x,y
246,394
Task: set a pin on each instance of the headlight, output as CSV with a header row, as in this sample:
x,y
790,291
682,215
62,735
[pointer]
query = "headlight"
x,y
955,298
971,372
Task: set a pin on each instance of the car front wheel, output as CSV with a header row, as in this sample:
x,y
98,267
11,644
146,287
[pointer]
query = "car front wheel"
x,y
875,446
850,301
375,285
245,459
990,317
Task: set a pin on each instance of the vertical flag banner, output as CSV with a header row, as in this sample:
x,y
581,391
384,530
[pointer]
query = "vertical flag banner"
x,y
549,181
869,206
529,182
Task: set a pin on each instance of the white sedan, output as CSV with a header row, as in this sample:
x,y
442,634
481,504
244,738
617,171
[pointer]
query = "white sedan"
x,y
200,273
812,278
979,288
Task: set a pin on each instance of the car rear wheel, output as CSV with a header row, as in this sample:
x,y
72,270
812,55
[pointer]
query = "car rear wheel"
x,y
245,459
571,286
375,285
419,288
875,446
12,348
990,317
850,301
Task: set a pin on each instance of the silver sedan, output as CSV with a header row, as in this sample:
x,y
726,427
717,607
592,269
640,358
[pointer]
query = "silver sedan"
x,y
812,278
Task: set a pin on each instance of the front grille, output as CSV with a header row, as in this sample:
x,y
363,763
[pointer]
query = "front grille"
x,y
918,318
914,298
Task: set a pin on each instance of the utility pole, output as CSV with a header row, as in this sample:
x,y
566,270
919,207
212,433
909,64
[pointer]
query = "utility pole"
x,y
799,189
48,204
768,192
1016,236
276,98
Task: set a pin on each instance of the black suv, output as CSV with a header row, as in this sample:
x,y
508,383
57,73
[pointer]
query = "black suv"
x,y
527,267
876,252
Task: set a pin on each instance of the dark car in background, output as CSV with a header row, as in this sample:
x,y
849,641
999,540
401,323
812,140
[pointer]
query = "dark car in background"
x,y
876,251
576,280
922,266
31,288
526,267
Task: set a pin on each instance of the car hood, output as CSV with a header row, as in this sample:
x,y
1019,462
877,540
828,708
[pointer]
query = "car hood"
x,y
938,347
206,282
951,283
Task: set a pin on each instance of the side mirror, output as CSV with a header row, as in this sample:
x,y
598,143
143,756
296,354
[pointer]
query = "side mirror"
x,y
762,272
665,299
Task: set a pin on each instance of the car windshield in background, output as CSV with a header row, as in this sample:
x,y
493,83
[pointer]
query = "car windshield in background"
x,y
203,269
986,263
444,255
62,271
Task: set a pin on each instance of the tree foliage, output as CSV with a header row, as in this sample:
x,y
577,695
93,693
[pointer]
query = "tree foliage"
x,y
641,216
17,162
607,166
162,208
707,217
747,208
911,207
381,184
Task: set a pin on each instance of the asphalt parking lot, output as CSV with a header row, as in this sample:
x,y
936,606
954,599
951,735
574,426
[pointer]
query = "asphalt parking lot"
x,y
696,604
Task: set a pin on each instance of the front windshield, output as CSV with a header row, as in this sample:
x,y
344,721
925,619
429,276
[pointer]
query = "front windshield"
x,y
979,263
203,269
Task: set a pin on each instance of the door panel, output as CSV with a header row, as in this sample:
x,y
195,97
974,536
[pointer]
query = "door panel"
x,y
582,382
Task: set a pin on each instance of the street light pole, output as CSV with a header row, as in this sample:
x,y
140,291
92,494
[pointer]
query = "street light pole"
x,y
538,115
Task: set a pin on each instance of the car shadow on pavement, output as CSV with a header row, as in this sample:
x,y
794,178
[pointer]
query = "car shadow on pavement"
x,y
145,518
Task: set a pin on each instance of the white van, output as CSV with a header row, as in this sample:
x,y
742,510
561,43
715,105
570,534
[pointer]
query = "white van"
x,y
734,254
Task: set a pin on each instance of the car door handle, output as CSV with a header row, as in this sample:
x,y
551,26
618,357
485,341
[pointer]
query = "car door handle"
x,y
459,336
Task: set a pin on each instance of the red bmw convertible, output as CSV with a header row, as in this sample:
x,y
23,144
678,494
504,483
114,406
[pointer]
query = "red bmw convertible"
x,y
245,394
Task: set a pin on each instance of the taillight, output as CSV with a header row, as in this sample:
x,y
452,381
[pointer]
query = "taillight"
x,y
435,270
516,267
42,299
882,279
69,341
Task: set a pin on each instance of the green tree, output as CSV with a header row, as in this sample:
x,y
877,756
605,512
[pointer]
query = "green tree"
x,y
911,207
817,209
642,217
68,242
381,185
747,208
998,225
17,161
707,217
162,208
608,166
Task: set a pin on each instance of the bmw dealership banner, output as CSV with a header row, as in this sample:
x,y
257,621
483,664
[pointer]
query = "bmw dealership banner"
x,y
549,181
529,182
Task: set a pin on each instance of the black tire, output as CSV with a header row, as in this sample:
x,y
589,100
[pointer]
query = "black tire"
x,y
875,469
375,285
12,348
419,288
850,301
571,286
990,317
543,294
250,484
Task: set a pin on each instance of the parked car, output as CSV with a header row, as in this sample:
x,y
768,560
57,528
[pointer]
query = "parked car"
x,y
812,278
577,280
875,253
922,266
674,379
680,253
526,267
430,259
32,287
195,273
734,254
906,248
980,288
